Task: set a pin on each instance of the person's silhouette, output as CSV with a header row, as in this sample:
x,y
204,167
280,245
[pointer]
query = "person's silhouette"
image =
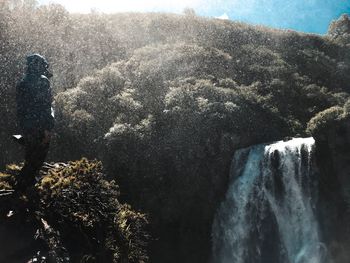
x,y
35,117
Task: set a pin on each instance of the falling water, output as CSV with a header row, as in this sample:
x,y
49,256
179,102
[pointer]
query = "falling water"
x,y
268,215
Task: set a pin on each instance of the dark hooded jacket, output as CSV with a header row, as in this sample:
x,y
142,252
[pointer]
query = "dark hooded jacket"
x,y
34,99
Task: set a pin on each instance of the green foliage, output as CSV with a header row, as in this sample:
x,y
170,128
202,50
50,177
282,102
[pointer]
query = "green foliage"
x,y
165,99
88,111
184,117
325,119
328,119
151,50
86,217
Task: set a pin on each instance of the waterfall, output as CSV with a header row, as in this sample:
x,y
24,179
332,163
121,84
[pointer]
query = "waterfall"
x,y
268,215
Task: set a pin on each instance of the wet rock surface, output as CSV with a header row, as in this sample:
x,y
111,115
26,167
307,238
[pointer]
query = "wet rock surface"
x,y
333,161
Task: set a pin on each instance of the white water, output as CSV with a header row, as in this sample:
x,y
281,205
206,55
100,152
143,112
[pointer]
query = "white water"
x,y
268,215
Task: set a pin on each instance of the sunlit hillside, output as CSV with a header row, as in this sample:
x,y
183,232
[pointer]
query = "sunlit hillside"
x,y
164,100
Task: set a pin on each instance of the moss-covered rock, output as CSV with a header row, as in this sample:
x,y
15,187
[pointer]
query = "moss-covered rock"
x,y
325,120
329,121
72,214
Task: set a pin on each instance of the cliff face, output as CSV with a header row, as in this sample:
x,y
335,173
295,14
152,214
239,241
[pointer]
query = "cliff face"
x,y
333,161
71,215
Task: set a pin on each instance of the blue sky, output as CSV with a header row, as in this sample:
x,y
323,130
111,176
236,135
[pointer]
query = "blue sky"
x,y
303,15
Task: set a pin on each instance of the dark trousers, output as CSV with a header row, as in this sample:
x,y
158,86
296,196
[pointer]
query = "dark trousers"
x,y
35,154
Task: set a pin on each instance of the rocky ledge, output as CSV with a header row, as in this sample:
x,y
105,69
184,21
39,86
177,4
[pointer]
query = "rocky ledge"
x,y
72,214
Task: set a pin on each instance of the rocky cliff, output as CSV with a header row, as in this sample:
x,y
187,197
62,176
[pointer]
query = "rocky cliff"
x,y
331,130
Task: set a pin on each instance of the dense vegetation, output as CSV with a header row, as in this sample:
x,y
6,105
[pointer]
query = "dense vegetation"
x,y
72,215
165,99
328,118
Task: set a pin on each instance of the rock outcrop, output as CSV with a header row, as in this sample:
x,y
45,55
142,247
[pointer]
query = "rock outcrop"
x,y
339,30
331,130
72,214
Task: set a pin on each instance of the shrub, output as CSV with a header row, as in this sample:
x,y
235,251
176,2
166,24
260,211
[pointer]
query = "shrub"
x,y
79,215
324,120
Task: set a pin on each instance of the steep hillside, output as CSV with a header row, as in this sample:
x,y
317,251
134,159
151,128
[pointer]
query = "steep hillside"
x,y
164,100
